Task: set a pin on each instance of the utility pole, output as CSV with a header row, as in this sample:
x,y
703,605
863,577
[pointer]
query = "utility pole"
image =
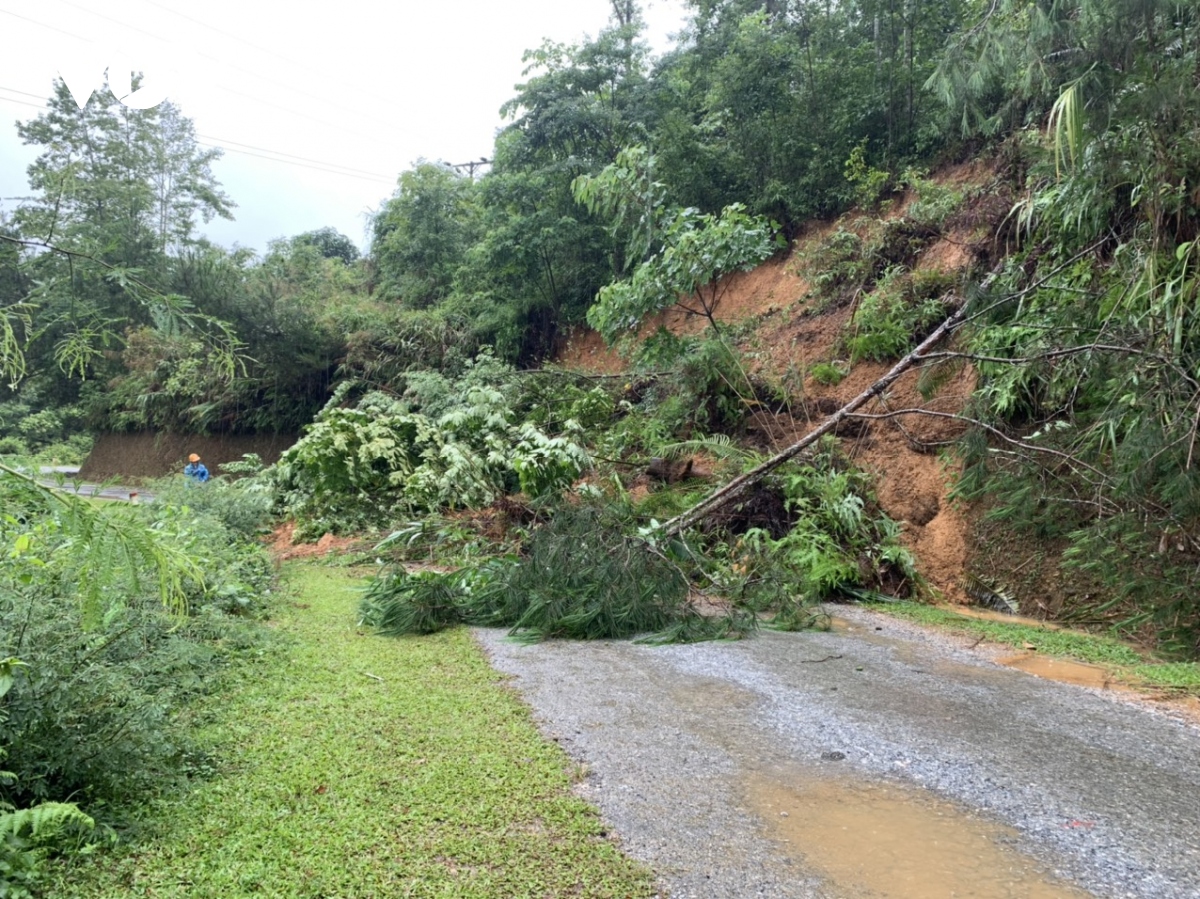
x,y
471,166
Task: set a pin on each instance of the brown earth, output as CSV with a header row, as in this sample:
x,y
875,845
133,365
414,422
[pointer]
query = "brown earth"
x,y
130,458
794,332
912,480
282,547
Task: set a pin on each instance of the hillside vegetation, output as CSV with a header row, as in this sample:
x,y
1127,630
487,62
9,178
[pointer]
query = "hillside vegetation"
x,y
627,192
674,269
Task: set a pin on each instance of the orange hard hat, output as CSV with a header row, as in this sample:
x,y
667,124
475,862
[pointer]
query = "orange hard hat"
x,y
193,458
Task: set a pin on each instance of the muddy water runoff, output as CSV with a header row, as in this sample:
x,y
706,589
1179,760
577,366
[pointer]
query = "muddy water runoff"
x,y
892,842
869,839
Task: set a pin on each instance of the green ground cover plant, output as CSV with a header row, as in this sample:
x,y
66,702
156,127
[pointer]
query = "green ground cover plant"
x,y
827,373
357,767
27,834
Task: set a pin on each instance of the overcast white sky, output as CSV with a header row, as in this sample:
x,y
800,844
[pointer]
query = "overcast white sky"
x,y
365,88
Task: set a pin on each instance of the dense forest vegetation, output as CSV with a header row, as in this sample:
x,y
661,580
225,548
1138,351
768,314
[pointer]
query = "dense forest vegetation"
x,y
621,185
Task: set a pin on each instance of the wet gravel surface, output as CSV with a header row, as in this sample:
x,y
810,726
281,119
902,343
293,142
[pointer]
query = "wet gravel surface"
x,y
1103,792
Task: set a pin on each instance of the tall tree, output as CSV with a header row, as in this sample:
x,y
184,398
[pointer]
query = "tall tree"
x,y
133,180
765,101
117,190
421,234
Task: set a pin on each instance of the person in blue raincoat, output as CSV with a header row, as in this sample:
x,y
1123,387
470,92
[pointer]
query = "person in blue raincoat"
x,y
195,470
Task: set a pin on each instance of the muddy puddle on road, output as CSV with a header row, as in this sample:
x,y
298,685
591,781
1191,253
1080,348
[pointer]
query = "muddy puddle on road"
x,y
884,841
1065,671
1062,670
1001,617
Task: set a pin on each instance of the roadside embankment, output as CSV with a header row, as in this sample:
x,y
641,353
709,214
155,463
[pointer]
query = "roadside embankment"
x,y
145,455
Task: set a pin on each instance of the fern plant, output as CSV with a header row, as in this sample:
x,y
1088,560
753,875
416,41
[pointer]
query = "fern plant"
x,y
838,544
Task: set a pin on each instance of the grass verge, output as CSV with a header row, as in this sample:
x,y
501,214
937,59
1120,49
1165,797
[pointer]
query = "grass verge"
x,y
361,767
1121,659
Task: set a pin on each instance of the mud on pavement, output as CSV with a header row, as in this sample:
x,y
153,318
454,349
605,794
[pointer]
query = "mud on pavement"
x,y
868,763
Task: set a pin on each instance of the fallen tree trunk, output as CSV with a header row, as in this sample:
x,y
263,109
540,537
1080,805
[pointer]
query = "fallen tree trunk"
x,y
738,485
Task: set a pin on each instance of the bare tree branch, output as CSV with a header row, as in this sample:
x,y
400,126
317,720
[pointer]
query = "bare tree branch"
x,y
1066,457
738,485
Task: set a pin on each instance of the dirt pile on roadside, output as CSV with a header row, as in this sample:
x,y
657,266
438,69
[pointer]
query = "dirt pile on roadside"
x,y
282,548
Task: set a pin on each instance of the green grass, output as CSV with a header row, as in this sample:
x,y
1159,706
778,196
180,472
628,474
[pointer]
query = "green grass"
x,y
432,781
1173,675
1122,659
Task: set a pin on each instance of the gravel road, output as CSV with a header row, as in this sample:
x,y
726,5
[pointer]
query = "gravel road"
x,y
878,760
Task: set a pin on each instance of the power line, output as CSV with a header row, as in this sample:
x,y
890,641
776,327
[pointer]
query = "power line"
x,y
319,165
224,142
42,24
23,102
261,49
333,168
13,90
109,19
379,179
221,141
252,74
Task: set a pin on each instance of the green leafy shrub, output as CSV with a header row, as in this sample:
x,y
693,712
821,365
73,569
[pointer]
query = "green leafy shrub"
x,y
71,451
43,431
827,373
13,412
554,401
870,184
902,307
96,713
26,833
714,385
360,467
934,203
43,426
244,507
348,470
836,544
436,391
580,577
839,264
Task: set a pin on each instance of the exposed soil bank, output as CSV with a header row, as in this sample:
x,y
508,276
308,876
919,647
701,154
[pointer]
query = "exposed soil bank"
x,y
145,455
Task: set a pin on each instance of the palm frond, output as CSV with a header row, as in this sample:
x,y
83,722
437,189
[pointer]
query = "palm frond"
x,y
721,446
989,594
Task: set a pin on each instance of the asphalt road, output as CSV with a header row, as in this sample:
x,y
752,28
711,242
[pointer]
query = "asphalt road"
x,y
61,476
883,761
